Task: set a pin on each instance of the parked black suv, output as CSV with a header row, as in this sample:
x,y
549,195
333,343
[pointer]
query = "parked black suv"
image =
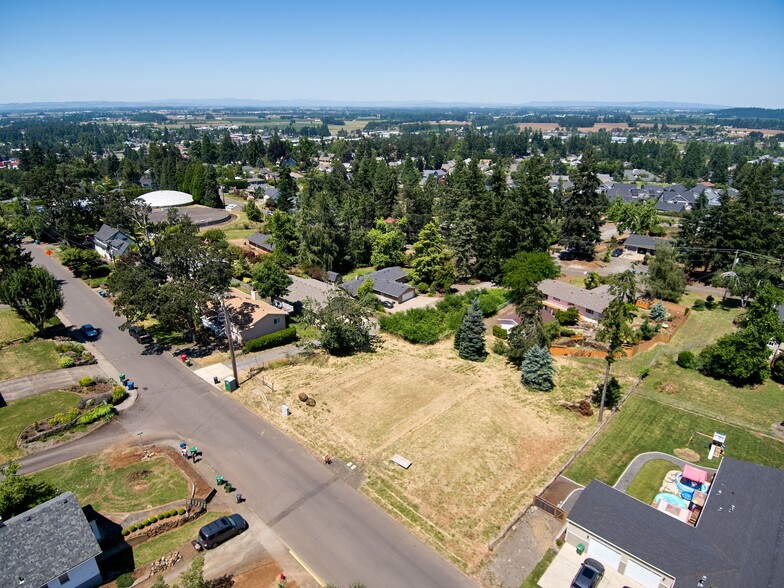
x,y
140,335
589,575
221,530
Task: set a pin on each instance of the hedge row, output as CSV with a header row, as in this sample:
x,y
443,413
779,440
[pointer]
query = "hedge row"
x,y
102,411
153,519
272,340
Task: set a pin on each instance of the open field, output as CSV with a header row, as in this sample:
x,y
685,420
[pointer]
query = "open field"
x,y
24,359
645,425
118,482
20,413
538,126
604,126
647,483
349,127
481,445
164,544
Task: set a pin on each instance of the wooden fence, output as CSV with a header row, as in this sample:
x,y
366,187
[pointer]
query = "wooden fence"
x,y
550,509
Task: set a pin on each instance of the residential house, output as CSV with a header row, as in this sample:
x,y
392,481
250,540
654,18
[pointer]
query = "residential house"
x,y
591,304
734,543
261,241
387,283
49,546
111,243
637,175
642,244
300,290
251,318
333,277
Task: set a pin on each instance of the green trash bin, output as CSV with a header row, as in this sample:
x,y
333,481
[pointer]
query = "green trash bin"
x,y
580,548
219,480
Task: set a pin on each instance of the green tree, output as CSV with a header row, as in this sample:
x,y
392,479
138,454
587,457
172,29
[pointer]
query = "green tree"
x,y
615,330
537,370
365,289
432,260
211,196
82,262
740,358
159,582
12,256
254,213
636,217
582,210
269,279
283,235
472,334
531,329
193,577
287,188
612,397
568,317
762,314
463,241
742,281
21,493
592,280
33,293
665,278
344,322
386,244
526,269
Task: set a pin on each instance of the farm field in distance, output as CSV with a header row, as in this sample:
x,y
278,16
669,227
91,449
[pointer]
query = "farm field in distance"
x,y
481,445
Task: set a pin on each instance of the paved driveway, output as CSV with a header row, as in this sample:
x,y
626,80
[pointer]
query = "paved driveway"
x,y
336,531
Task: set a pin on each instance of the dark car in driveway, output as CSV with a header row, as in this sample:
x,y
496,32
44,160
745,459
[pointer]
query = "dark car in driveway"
x,y
89,331
589,575
220,530
617,252
140,335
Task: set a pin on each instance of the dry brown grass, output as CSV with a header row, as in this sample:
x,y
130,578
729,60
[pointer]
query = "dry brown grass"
x,y
481,445
536,126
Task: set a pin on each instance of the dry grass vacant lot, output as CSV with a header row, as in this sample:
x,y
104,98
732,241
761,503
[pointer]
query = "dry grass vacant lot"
x,y
481,445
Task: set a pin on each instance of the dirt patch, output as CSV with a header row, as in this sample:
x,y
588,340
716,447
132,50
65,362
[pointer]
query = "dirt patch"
x,y
687,454
778,430
481,445
261,577
667,388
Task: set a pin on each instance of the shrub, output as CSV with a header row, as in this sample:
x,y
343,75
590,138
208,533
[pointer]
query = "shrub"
x,y
646,330
553,330
777,370
118,394
567,317
422,288
66,362
132,528
180,511
645,373
491,300
613,393
500,348
125,581
277,339
687,360
710,302
699,304
537,370
125,532
103,411
499,333
86,382
417,325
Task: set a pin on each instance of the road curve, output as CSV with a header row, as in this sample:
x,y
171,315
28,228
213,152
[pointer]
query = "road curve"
x,y
340,534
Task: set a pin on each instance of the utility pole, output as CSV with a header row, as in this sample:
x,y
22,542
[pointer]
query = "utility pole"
x,y
227,324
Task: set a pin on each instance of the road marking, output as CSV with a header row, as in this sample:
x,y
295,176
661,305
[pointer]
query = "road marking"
x,y
307,569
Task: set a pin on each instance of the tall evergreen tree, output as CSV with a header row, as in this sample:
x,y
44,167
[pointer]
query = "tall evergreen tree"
x,y
583,208
537,370
432,260
472,334
287,188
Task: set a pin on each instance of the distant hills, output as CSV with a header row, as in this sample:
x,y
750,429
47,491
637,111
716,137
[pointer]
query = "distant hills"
x,y
301,103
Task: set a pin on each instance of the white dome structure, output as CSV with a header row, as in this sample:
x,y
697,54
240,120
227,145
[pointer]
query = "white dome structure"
x,y
166,198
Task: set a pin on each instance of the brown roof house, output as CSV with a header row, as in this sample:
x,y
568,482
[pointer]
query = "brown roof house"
x,y
591,304
252,318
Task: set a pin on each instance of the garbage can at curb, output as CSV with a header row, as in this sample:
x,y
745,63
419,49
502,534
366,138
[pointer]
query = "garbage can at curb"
x,y
580,548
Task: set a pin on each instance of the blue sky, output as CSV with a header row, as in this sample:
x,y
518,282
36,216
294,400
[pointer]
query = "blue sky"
x,y
715,52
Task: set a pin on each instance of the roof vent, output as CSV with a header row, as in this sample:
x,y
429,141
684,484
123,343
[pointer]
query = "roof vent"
x,y
21,580
732,508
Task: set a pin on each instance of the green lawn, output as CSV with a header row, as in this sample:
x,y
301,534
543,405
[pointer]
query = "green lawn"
x,y
168,542
646,485
20,413
131,488
12,327
28,358
360,271
644,425
304,332
532,580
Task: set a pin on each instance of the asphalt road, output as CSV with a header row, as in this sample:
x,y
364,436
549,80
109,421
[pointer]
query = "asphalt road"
x,y
335,530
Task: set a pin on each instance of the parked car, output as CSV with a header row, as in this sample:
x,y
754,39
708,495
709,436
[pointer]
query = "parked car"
x,y
589,575
231,206
88,331
140,335
617,252
221,530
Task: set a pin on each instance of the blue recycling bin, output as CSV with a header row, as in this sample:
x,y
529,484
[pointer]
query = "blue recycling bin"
x,y
129,384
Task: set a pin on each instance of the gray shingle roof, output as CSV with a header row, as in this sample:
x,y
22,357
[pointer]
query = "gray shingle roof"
x,y
644,241
736,542
596,299
262,241
45,542
385,282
